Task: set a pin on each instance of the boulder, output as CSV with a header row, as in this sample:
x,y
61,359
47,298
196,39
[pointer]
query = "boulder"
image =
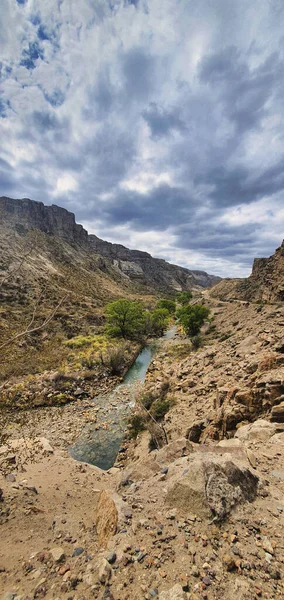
x,y
277,413
106,518
259,431
211,486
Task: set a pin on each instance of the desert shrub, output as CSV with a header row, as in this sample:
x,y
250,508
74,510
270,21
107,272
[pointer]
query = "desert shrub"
x,y
225,336
160,407
268,362
116,359
79,341
136,425
210,330
146,400
196,341
88,361
180,350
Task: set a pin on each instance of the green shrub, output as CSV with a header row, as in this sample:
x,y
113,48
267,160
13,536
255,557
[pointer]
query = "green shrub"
x,y
137,424
225,336
169,305
192,317
184,297
146,400
160,407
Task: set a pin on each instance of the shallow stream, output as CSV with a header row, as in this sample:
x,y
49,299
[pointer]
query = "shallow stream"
x,y
100,442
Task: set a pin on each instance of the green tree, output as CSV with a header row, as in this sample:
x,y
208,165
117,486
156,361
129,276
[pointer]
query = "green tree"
x,y
184,297
170,305
192,317
159,320
125,319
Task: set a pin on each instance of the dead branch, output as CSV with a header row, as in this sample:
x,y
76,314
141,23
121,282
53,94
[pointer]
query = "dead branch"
x,y
29,329
23,259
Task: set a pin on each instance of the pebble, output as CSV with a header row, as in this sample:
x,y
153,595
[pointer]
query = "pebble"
x,y
229,562
77,552
164,471
111,558
267,546
105,571
57,554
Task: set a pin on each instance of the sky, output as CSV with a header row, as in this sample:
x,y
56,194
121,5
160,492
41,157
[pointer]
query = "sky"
x,y
159,123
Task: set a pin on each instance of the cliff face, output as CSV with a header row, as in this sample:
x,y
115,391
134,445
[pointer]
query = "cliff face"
x,y
268,276
132,265
156,272
266,282
27,214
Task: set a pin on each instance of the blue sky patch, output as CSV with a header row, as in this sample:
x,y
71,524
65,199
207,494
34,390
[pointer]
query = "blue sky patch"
x,y
31,55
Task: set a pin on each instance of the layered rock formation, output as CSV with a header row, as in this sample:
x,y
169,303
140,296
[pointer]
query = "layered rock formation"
x,y
141,266
266,282
25,215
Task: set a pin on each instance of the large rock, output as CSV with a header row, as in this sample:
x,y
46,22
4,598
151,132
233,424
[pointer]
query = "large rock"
x,y
259,431
106,518
212,486
277,413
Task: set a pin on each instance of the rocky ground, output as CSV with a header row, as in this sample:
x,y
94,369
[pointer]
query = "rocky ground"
x,y
199,518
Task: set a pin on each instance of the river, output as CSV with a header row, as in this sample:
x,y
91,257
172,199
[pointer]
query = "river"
x,y
99,443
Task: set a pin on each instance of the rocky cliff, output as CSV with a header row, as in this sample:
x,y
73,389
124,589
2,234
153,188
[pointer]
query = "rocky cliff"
x,y
266,282
140,267
27,214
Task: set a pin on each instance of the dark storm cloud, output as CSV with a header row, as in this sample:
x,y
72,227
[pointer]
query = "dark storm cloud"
x,y
243,92
154,210
233,187
161,121
138,70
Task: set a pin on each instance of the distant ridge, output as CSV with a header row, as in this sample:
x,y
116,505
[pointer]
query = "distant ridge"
x,y
24,215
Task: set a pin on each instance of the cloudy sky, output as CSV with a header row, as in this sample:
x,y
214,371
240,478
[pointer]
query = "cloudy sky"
x,y
158,122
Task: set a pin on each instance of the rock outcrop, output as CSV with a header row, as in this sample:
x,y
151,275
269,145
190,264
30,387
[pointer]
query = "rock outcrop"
x,y
265,284
27,214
